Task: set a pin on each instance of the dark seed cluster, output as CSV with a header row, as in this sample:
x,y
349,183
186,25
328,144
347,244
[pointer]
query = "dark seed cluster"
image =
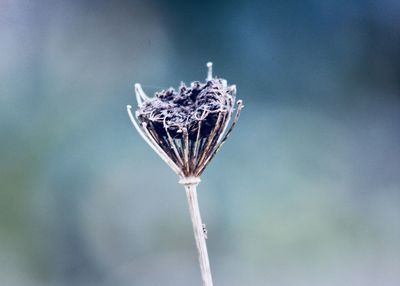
x,y
184,108
190,124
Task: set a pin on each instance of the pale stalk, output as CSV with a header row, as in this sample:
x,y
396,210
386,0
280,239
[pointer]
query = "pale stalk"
x,y
198,228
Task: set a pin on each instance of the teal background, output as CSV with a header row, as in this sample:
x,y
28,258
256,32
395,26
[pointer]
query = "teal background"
x,y
305,192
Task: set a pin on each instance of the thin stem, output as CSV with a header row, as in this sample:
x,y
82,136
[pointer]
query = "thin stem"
x,y
185,145
208,144
209,71
173,146
140,95
198,229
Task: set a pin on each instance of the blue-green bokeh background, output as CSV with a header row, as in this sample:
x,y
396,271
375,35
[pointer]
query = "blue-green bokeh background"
x,y
305,192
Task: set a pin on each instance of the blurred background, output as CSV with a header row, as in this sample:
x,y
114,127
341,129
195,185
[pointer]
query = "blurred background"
x,y
305,192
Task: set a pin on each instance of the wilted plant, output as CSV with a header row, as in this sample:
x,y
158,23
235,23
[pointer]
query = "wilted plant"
x,y
186,128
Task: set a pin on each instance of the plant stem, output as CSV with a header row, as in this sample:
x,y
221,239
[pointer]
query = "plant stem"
x,y
199,232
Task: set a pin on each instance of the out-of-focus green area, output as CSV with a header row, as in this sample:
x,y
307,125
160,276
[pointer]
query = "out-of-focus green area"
x,y
305,192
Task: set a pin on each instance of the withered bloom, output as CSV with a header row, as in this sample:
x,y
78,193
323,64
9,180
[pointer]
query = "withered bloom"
x,y
186,128
188,125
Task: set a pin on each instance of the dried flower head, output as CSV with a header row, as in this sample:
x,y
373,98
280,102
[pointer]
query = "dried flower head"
x,y
188,126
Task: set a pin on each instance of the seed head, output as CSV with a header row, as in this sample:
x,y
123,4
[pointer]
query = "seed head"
x,y
188,126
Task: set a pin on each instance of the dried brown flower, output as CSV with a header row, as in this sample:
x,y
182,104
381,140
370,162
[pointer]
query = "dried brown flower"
x,y
190,125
